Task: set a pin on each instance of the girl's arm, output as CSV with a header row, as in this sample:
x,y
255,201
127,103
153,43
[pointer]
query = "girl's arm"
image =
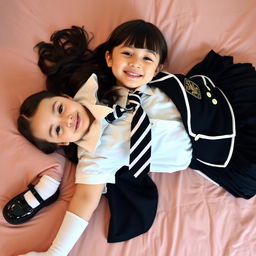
x,y
85,200
83,203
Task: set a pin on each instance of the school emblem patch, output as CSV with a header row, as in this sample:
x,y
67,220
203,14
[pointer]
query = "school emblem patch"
x,y
192,88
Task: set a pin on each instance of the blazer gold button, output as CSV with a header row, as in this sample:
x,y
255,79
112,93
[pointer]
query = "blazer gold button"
x,y
214,101
209,94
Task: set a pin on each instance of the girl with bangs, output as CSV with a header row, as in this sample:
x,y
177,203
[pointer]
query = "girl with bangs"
x,y
83,87
197,121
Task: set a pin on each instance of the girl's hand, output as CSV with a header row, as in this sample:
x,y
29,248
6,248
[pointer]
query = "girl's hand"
x,y
34,254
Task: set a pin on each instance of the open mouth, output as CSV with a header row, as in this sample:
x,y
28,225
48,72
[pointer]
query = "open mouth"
x,y
132,74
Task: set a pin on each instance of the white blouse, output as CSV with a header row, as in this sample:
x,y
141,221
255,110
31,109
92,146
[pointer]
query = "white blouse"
x,y
105,148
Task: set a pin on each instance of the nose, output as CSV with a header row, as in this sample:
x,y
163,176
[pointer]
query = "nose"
x,y
135,62
68,120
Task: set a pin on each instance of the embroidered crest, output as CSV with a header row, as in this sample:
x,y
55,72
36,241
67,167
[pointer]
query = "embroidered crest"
x,y
192,88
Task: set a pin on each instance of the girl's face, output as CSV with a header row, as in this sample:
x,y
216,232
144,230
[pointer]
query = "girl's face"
x,y
60,120
133,67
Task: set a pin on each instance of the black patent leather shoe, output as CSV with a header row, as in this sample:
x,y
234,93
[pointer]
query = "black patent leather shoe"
x,y
18,211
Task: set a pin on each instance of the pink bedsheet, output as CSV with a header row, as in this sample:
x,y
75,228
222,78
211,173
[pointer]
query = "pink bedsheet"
x,y
195,217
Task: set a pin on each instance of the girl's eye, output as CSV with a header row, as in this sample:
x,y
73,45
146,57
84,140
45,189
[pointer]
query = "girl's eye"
x,y
126,53
60,109
147,59
57,130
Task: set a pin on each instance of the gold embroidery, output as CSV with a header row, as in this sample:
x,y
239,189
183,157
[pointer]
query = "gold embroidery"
x,y
192,88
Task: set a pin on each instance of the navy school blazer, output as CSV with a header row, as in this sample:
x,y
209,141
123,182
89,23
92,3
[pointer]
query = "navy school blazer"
x,y
206,113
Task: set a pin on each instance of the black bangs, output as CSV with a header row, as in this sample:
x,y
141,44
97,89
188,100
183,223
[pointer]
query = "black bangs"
x,y
139,34
141,40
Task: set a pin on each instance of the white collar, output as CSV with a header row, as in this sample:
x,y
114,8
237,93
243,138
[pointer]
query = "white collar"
x,y
87,96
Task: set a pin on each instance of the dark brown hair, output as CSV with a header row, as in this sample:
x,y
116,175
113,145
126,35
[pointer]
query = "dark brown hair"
x,y
67,61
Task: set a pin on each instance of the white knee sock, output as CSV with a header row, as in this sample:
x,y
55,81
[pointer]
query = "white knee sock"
x,y
70,231
46,187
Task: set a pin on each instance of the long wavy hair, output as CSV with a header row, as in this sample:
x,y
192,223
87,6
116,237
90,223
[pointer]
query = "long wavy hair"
x,y
67,61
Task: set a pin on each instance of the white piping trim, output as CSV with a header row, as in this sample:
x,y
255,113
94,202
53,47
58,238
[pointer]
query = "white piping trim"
x,y
162,78
206,177
233,125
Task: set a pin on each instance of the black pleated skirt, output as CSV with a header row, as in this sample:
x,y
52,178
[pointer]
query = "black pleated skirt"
x,y
238,82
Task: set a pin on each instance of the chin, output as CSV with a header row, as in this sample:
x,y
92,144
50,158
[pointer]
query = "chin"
x,y
132,85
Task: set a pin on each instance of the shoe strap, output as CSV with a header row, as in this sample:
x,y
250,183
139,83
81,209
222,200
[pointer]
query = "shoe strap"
x,y
35,193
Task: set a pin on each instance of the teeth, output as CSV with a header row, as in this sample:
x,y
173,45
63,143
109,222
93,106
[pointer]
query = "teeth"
x,y
133,74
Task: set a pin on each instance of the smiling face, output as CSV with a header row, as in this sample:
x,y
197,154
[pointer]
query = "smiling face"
x,y
133,67
60,120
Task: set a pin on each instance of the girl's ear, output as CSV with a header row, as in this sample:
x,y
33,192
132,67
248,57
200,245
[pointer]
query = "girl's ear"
x,y
108,59
159,69
63,143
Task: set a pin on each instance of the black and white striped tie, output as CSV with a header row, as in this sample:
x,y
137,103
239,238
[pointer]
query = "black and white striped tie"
x,y
140,141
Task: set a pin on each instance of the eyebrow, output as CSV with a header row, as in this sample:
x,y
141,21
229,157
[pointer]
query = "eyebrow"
x,y
51,127
151,51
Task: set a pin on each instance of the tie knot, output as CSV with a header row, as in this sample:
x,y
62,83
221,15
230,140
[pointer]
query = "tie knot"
x,y
134,99
133,102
